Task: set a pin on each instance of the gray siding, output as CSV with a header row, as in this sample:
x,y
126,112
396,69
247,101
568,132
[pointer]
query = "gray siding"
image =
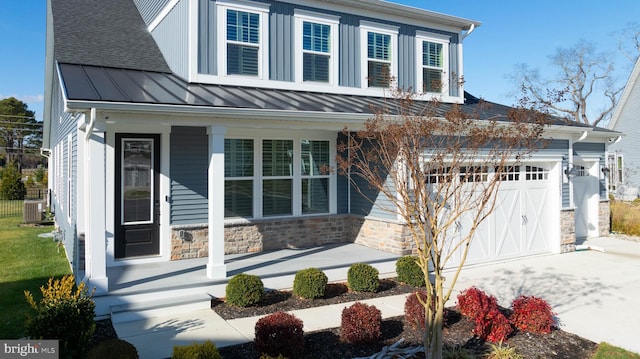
x,y
406,59
628,124
349,53
207,62
172,37
281,42
149,9
189,163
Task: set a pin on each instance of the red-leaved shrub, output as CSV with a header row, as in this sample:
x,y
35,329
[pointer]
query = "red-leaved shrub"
x,y
414,311
533,315
483,310
474,302
280,333
493,326
361,324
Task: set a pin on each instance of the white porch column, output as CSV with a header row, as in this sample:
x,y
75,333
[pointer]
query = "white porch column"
x,y
95,207
215,265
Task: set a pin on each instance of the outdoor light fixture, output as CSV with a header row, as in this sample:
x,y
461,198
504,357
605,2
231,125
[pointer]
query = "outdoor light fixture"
x,y
605,171
570,171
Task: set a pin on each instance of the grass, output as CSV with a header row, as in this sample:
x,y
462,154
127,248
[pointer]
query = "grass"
x,y
608,351
27,263
625,217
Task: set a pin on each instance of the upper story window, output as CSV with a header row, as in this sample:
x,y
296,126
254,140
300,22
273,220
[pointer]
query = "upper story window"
x,y
379,54
242,39
316,47
433,62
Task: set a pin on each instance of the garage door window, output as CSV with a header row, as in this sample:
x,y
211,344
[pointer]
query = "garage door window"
x,y
534,173
510,173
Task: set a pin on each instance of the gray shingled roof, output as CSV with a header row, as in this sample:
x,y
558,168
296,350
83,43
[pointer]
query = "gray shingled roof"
x,y
84,35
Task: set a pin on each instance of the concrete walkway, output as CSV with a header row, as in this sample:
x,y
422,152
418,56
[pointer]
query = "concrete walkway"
x,y
595,294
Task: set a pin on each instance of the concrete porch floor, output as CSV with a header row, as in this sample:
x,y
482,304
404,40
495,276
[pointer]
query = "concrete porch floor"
x,y
149,282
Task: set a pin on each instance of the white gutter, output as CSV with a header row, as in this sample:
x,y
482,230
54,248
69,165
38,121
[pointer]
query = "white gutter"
x,y
92,121
471,28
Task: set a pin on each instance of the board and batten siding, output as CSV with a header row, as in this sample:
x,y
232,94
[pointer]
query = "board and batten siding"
x,y
282,45
189,163
150,9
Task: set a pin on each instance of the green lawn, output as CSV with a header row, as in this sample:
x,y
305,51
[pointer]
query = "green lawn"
x,y
27,262
608,351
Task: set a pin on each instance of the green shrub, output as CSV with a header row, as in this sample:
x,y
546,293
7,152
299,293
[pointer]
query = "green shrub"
x,y
502,352
310,283
361,324
457,352
244,290
113,348
11,186
206,350
280,334
65,312
409,271
362,277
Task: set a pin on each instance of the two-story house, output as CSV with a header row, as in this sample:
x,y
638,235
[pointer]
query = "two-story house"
x,y
198,128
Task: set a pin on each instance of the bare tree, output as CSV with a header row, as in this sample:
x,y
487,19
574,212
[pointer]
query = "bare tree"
x,y
629,43
584,75
437,171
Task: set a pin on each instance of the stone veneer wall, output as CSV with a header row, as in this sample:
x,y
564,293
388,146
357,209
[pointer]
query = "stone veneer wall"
x,y
567,231
604,219
384,235
248,237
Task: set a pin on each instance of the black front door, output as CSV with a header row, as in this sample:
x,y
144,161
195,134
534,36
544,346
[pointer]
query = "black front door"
x,y
137,195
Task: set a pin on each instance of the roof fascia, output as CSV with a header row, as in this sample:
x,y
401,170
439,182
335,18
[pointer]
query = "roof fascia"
x,y
633,78
50,68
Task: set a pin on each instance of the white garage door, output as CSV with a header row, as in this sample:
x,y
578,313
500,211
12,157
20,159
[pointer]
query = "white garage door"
x,y
519,225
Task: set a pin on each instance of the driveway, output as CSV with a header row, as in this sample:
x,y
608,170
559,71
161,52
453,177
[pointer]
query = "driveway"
x,y
596,294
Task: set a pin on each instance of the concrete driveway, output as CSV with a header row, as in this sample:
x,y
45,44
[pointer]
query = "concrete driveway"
x,y
596,294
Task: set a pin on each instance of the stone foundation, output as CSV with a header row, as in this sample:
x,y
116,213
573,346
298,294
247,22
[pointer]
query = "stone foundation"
x,y
604,219
567,231
188,242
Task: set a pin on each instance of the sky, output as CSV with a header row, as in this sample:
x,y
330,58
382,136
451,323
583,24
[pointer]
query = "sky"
x,y
512,32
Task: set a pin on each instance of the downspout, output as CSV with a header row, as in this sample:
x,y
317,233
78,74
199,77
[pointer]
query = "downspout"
x,y
92,121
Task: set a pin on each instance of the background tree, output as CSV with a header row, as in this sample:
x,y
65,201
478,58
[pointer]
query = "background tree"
x,y
585,77
11,185
437,172
20,133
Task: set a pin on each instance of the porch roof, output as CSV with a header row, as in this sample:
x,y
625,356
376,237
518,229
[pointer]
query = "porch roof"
x,y
85,83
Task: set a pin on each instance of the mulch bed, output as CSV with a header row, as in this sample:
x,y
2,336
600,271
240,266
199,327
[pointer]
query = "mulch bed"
x,y
327,344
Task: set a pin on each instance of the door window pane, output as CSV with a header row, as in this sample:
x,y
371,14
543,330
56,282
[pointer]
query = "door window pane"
x,y
137,180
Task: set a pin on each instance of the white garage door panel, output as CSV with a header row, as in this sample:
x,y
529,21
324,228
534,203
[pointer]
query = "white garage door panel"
x,y
519,225
507,223
536,219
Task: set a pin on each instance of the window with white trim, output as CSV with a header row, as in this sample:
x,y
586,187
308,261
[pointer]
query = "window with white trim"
x,y
534,173
433,62
379,54
291,177
316,47
242,39
239,177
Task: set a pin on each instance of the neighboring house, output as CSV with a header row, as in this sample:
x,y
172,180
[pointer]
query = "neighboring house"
x,y
624,154
197,128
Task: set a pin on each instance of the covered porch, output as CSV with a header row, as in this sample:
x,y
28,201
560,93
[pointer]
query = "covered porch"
x,y
165,284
